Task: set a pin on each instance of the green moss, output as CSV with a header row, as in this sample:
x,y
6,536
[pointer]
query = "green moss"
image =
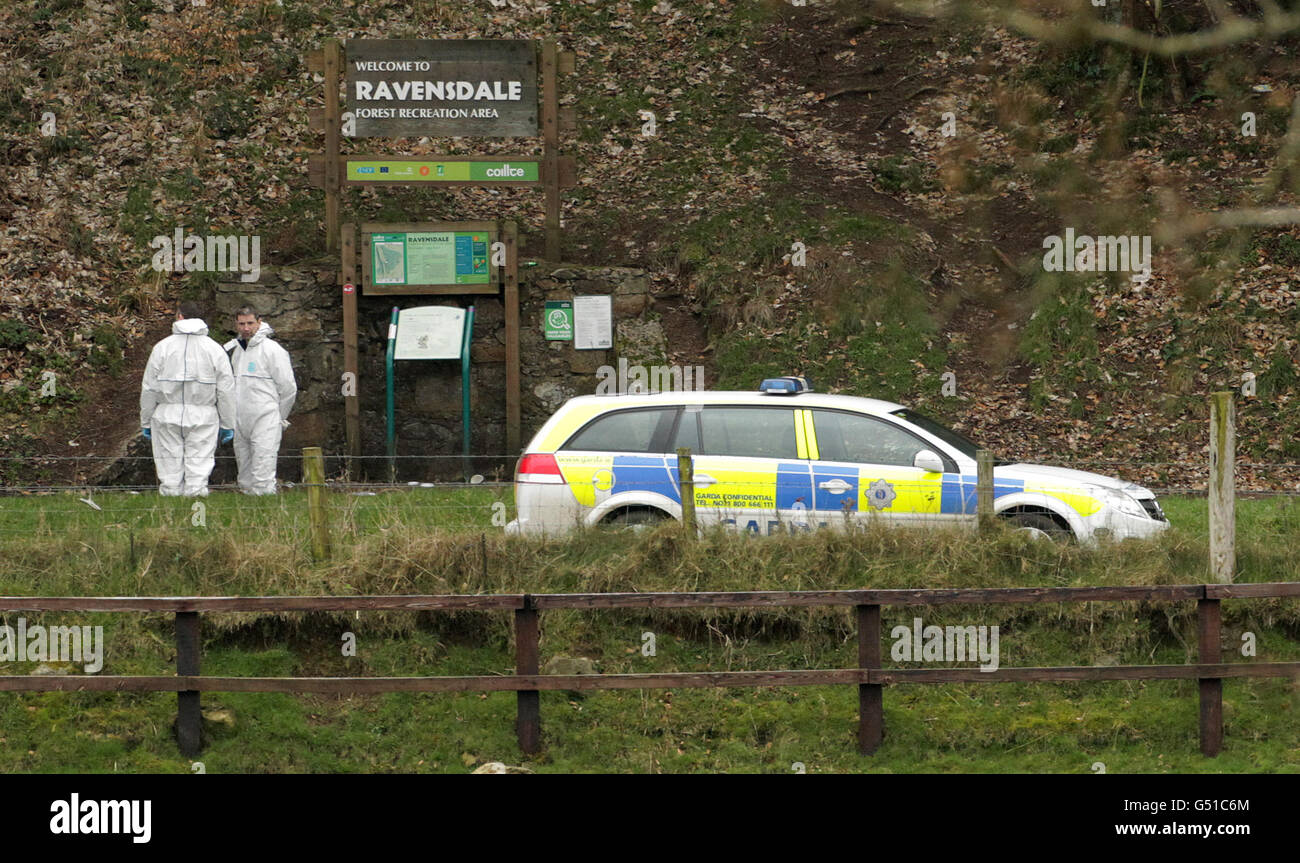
x,y
1060,143
899,173
138,218
230,113
1280,375
1276,248
15,335
106,350
878,339
1060,338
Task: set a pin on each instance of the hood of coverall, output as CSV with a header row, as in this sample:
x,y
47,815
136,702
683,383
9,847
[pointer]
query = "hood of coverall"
x,y
190,327
263,333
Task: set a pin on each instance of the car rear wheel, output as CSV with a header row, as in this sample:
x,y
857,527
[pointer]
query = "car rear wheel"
x,y
636,519
1038,526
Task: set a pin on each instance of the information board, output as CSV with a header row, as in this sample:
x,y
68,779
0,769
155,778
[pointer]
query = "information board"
x,y
437,258
593,323
430,333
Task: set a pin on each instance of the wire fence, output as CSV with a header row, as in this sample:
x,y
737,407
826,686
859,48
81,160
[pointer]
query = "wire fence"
x,y
127,473
755,495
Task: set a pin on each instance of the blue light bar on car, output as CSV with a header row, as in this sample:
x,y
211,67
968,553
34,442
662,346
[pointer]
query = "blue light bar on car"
x,y
786,386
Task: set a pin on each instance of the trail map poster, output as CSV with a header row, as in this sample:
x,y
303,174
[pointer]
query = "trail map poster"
x,y
439,258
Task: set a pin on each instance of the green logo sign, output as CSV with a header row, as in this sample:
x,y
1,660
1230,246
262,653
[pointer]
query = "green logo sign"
x,y
558,320
503,171
392,171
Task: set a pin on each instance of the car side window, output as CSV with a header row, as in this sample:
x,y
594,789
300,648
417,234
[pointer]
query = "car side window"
x,y
623,431
864,439
757,432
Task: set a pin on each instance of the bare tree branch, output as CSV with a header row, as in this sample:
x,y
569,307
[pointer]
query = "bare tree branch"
x,y
1255,217
1287,155
1232,30
1227,33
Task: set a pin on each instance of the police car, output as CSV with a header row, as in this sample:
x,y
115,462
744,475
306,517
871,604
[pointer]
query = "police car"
x,y
786,458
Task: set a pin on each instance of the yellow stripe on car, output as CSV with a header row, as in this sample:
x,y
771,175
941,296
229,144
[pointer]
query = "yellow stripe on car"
x,y
806,421
586,474
913,491
1080,503
749,485
575,418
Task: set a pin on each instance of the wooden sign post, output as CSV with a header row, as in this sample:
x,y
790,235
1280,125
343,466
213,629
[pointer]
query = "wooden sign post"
x,y
432,275
439,88
418,77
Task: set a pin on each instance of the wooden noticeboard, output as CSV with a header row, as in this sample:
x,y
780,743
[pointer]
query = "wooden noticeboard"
x,y
504,280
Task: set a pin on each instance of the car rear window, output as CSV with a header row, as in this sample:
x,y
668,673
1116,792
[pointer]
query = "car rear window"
x,y
757,432
624,431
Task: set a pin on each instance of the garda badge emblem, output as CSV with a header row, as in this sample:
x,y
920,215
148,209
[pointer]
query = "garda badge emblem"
x,y
880,495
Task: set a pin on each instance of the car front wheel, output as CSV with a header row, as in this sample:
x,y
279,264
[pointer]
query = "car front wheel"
x,y
1039,526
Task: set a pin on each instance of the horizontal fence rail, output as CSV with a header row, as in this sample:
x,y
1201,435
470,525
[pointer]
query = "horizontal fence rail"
x,y
870,677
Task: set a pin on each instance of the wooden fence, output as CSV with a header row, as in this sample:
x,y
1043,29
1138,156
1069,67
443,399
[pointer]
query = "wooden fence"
x,y
869,675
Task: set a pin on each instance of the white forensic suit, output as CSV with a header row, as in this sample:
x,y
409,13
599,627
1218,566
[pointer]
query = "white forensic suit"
x,y
264,394
185,398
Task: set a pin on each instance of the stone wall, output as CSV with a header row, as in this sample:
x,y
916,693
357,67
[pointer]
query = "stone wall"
x,y
303,304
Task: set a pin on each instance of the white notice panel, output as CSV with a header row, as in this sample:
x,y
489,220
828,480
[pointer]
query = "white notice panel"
x,y
429,333
593,323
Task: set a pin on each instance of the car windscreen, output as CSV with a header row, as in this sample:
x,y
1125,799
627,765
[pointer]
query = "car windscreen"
x,y
960,442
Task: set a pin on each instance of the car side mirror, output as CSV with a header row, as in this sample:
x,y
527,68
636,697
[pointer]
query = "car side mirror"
x,y
928,461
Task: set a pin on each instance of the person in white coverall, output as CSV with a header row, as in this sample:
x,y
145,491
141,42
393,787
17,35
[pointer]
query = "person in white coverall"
x,y
186,397
264,394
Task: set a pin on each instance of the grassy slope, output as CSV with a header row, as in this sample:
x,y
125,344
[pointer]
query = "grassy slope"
x,y
748,158
59,549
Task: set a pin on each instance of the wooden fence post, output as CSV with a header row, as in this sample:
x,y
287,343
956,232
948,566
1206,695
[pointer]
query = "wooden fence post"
x,y
351,404
551,146
1210,649
333,57
528,722
686,480
984,489
313,475
189,714
1223,531
510,294
871,705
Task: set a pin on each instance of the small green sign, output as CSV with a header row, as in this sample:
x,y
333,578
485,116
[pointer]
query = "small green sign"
x,y
558,323
394,171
